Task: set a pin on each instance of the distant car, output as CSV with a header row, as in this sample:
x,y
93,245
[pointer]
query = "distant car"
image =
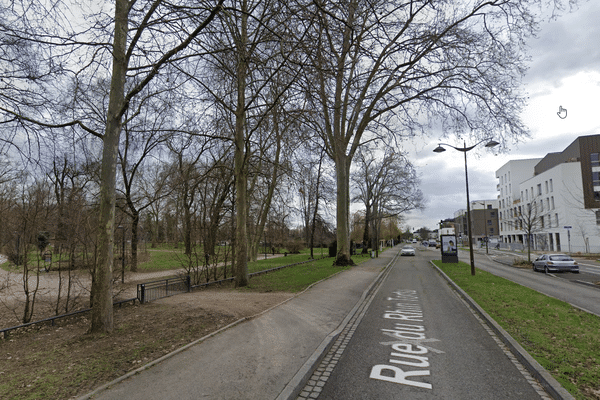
x,y
425,243
432,244
407,251
555,262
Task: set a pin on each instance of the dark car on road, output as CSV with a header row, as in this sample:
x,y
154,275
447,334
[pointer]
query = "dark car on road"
x,y
555,262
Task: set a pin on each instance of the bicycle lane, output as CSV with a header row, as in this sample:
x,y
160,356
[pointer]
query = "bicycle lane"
x,y
418,340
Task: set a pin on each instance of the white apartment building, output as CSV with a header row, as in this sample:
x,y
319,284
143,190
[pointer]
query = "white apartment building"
x,y
556,199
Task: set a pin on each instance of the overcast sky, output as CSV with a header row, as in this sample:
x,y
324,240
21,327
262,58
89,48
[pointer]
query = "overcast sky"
x,y
564,71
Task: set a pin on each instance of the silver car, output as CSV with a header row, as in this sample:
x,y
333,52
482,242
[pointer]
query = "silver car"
x,y
407,251
555,262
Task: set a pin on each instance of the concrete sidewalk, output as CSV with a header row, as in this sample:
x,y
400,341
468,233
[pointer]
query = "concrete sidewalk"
x,y
258,358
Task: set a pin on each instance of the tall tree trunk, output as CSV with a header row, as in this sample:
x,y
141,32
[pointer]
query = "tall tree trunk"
x,y
241,215
240,165
102,307
187,227
366,236
342,170
135,222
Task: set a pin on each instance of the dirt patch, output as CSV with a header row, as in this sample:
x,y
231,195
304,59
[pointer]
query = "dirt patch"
x,y
63,361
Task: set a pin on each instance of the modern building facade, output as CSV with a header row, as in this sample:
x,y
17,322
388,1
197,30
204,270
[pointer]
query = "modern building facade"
x,y
484,222
553,202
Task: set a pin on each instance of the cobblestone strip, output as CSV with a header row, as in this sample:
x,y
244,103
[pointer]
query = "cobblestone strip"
x,y
532,381
319,378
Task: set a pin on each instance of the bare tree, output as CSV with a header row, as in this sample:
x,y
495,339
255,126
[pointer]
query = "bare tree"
x,y
69,57
387,186
393,69
140,144
252,57
313,189
529,219
69,183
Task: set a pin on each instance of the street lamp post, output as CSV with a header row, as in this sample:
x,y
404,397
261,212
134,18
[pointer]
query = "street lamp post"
x,y
465,149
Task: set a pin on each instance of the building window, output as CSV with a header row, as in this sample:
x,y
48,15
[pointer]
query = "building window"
x,y
542,221
542,205
598,217
526,194
556,217
539,189
596,178
546,184
552,202
551,188
595,159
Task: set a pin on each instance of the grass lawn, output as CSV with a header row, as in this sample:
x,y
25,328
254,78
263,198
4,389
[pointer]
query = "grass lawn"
x,y
293,279
563,339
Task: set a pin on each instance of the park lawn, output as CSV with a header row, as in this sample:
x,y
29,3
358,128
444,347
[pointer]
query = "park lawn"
x,y
562,338
293,279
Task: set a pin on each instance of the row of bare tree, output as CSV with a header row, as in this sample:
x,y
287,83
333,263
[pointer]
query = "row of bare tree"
x,y
113,79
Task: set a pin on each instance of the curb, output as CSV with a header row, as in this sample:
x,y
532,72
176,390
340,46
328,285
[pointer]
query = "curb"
x,y
547,381
297,383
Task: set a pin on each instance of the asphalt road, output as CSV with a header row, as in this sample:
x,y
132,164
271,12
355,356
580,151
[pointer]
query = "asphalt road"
x,y
418,340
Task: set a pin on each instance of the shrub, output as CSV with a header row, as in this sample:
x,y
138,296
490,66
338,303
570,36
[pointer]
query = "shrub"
x,y
294,246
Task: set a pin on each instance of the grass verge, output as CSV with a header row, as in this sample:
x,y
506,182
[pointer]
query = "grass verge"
x,y
562,338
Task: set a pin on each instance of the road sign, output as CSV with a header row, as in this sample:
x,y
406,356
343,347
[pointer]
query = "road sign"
x,y
568,227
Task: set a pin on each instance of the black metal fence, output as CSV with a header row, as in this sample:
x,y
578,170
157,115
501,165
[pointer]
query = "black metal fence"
x,y
154,290
5,331
158,289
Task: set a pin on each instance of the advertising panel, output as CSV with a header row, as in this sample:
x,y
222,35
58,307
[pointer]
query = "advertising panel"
x,y
449,249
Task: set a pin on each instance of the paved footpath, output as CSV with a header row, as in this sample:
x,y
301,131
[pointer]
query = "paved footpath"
x,y
257,358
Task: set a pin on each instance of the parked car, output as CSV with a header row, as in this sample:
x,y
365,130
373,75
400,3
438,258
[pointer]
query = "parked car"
x,y
407,251
432,243
555,262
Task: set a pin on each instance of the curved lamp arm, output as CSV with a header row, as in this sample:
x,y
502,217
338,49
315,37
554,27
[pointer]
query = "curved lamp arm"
x,y
440,149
